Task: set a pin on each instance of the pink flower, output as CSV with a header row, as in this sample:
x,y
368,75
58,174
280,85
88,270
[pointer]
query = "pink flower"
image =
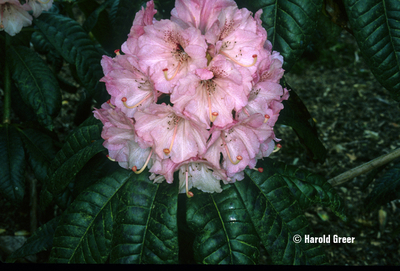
x,y
236,35
129,87
14,16
143,17
211,94
170,53
37,6
170,134
120,139
239,144
198,94
198,14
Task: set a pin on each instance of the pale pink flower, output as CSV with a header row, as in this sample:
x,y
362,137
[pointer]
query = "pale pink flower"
x,y
170,134
236,35
143,17
38,6
14,16
120,139
238,143
129,87
171,53
211,94
198,14
213,65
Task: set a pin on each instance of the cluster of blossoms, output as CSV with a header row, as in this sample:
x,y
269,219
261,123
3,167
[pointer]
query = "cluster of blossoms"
x,y
14,15
198,94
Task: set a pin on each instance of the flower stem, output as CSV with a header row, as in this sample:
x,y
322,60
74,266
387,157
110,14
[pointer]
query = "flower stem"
x,y
354,172
7,85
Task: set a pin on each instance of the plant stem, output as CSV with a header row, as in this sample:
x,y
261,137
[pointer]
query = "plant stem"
x,y
352,173
7,85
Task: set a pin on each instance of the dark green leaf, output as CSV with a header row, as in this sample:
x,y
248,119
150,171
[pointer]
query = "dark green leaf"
x,y
91,20
79,148
41,151
41,240
145,229
12,164
163,8
376,27
309,188
277,217
98,22
123,20
85,231
36,83
296,115
290,24
76,47
224,231
386,188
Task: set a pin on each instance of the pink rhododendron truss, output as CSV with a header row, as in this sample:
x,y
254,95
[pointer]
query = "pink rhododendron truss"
x,y
198,94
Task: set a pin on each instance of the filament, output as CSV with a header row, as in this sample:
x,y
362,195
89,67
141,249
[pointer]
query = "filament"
x,y
168,151
238,158
189,194
176,72
278,147
212,115
136,105
252,64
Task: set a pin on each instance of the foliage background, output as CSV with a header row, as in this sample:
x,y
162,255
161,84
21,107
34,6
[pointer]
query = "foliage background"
x,y
356,113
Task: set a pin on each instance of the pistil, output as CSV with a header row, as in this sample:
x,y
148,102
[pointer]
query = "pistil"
x,y
243,65
134,168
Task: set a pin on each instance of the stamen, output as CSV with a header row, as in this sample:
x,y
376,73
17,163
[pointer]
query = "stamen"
x,y
134,168
110,104
260,169
189,194
176,72
245,111
168,151
117,52
243,65
110,158
238,158
212,115
267,117
136,105
278,147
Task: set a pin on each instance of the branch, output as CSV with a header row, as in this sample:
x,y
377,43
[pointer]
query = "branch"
x,y
354,172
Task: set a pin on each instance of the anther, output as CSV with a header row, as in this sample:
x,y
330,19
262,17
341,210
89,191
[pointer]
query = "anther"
x,y
267,117
117,52
134,168
166,151
260,169
243,65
